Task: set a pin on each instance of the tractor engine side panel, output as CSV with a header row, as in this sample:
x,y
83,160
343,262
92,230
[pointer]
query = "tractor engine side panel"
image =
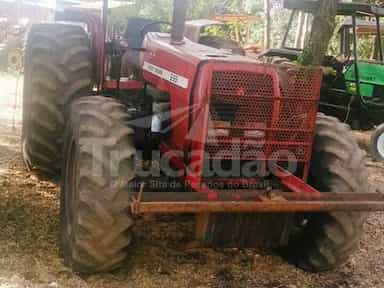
x,y
173,73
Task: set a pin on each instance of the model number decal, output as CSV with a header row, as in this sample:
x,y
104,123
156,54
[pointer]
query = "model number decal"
x,y
174,78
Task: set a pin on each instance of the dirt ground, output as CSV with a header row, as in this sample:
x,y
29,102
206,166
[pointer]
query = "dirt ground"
x,y
30,255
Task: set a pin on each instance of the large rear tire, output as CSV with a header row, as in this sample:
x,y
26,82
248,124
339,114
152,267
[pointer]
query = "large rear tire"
x,y
58,70
95,202
338,165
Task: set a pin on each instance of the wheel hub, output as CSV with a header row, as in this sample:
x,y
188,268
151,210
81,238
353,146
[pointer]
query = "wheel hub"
x,y
380,144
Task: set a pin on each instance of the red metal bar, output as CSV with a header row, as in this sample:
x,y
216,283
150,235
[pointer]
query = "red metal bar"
x,y
252,127
124,85
295,184
292,182
259,195
256,201
241,140
259,207
298,186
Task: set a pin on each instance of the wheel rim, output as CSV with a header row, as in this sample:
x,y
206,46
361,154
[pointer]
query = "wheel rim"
x,y
380,145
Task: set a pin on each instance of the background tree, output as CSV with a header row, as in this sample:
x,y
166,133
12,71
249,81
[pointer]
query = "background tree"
x,y
323,27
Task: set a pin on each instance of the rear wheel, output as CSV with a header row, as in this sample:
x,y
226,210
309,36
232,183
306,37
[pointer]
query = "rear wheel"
x,y
326,240
95,203
58,70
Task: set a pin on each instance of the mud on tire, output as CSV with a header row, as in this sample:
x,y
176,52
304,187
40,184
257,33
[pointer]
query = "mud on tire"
x,y
99,164
338,165
58,70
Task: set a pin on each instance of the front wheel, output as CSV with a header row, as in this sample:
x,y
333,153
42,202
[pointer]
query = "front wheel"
x,y
377,144
99,159
326,240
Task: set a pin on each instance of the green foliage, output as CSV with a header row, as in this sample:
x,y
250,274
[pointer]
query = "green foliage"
x,y
118,16
162,10
366,46
202,8
224,31
366,43
152,9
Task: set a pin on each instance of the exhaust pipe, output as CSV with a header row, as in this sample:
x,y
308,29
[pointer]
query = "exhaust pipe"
x,y
178,21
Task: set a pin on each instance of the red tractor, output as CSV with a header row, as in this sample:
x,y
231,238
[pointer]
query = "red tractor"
x,y
243,141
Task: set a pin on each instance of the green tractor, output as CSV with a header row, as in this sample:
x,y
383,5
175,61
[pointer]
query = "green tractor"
x,y
353,85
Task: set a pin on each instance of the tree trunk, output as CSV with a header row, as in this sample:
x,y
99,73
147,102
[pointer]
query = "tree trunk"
x,y
267,28
323,26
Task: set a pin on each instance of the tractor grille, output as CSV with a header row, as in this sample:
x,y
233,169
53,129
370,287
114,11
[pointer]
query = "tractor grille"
x,y
250,120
